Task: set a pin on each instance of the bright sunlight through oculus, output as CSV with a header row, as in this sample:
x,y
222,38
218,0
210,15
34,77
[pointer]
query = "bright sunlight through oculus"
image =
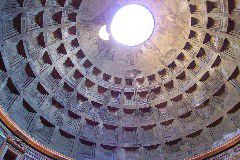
x,y
132,25
103,33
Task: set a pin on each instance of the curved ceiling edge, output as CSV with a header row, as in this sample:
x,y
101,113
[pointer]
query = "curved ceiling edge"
x,y
217,150
30,141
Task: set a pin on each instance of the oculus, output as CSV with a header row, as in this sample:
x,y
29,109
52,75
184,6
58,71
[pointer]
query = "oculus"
x,y
132,25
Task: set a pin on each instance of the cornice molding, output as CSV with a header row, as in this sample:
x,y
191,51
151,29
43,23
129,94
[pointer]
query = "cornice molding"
x,y
28,139
51,153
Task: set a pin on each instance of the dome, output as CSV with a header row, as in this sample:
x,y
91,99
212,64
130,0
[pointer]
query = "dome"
x,y
173,96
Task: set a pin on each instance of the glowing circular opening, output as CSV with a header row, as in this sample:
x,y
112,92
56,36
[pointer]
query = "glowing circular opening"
x,y
132,25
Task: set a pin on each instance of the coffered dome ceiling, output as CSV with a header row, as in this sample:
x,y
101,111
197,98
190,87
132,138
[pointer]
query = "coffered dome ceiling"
x,y
148,58
173,97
